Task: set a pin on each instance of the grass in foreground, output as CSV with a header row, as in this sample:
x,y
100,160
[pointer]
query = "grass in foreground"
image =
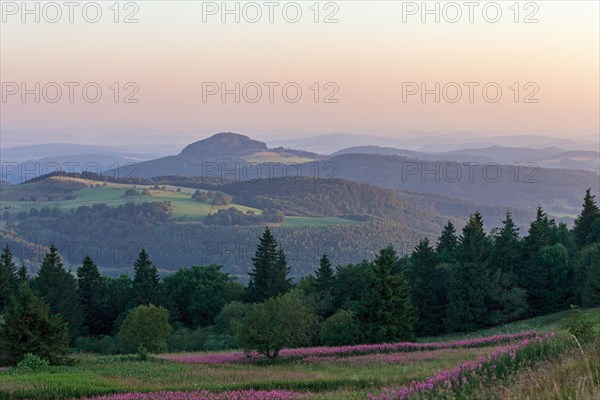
x,y
328,378
92,375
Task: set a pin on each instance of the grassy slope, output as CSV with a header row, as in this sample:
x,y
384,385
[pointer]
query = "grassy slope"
x,y
545,323
112,194
575,375
337,380
94,374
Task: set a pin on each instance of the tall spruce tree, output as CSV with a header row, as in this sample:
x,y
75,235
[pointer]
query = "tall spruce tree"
x,y
324,283
22,274
57,287
447,243
145,281
505,300
324,275
535,275
8,277
474,245
470,279
585,221
279,282
428,290
91,293
507,250
385,310
269,275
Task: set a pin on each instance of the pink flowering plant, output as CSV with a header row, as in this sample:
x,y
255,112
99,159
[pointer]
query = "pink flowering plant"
x,y
467,376
313,353
205,395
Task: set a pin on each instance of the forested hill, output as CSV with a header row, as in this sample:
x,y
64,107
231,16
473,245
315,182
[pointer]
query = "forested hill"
x,y
525,186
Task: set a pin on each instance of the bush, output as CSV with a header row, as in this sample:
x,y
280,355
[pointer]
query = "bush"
x,y
105,345
284,321
147,326
32,362
28,327
230,314
340,329
220,342
580,326
185,339
201,339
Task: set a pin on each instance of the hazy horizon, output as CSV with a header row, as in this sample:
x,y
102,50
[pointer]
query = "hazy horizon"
x,y
172,57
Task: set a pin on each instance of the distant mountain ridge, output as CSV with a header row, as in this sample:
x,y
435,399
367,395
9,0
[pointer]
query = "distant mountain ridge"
x,y
236,157
548,157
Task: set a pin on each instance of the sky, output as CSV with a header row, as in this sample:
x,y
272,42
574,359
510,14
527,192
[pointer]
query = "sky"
x,y
189,69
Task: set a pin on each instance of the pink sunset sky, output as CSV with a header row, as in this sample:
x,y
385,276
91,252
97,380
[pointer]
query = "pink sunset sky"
x,y
368,57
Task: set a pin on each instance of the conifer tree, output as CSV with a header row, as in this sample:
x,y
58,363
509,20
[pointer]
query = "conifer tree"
x,y
446,246
385,311
473,245
145,281
428,290
324,275
259,287
535,275
28,327
91,294
324,283
22,275
584,222
505,300
584,269
57,287
470,279
507,251
279,281
269,275
8,277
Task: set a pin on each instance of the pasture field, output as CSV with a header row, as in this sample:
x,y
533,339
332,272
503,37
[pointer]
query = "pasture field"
x,y
90,192
320,375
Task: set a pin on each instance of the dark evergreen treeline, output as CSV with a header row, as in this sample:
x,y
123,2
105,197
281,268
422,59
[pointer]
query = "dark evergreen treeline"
x,y
473,280
463,282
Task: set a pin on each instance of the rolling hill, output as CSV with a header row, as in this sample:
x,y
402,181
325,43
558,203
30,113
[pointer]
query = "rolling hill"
x,y
466,175
348,220
223,154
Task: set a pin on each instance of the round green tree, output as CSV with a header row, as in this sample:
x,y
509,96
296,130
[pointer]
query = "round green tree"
x,y
146,326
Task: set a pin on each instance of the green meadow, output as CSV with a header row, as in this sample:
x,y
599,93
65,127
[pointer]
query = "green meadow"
x,y
113,194
338,378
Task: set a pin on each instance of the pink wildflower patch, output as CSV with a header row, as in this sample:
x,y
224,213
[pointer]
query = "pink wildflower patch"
x,y
312,353
205,395
457,376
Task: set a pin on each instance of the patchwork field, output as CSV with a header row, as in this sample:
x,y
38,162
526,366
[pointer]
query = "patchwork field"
x,y
85,192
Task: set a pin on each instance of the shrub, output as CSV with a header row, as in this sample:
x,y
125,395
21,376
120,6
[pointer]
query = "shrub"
x,y
220,342
284,321
147,326
231,312
340,329
185,339
103,345
28,327
580,326
32,362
